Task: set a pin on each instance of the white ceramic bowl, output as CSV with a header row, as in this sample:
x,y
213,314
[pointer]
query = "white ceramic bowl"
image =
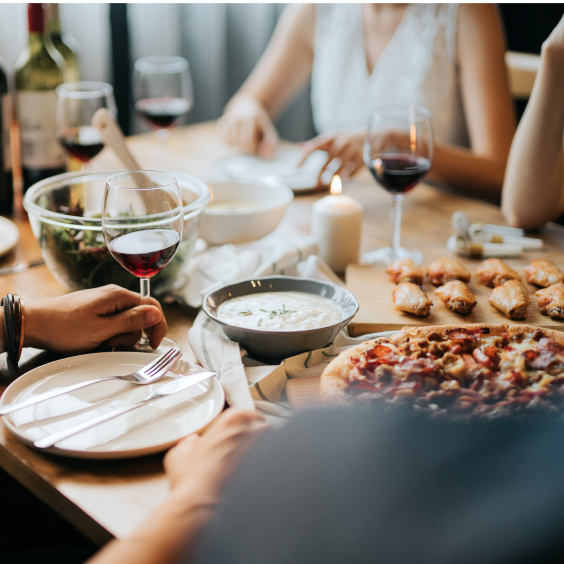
x,y
243,212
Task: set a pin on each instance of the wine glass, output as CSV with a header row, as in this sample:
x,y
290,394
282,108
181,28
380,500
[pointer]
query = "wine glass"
x,y
162,88
142,220
77,102
398,152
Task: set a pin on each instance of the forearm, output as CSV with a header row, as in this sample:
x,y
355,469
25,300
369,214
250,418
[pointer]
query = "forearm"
x,y
533,184
462,169
169,536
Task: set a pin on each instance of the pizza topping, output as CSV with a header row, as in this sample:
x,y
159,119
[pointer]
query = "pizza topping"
x,y
460,334
467,372
548,344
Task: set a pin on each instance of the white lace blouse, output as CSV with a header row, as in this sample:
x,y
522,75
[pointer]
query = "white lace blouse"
x,y
419,66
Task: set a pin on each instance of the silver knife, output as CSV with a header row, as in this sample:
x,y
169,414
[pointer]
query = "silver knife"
x,y
165,390
20,267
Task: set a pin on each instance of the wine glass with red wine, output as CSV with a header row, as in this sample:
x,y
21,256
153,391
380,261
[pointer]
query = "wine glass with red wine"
x,y
77,102
398,152
142,220
162,88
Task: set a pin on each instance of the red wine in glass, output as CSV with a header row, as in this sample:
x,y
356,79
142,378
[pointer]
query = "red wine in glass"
x,y
398,173
83,143
145,252
162,112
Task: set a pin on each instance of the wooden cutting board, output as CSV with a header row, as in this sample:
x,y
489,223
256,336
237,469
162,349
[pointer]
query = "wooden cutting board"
x,y
303,392
373,290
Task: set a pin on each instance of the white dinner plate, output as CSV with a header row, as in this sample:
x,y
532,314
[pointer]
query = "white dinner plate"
x,y
9,235
283,166
152,428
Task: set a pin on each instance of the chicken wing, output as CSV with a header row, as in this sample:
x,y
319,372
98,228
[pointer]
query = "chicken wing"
x,y
551,300
511,298
405,270
442,270
494,272
411,298
457,296
543,273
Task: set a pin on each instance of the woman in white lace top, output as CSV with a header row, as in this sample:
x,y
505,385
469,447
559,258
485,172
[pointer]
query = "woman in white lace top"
x,y
447,58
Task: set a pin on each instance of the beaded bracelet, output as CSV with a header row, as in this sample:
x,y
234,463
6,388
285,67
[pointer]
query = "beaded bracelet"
x,y
13,326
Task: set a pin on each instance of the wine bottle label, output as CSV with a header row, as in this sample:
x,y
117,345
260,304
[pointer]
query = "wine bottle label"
x,y
5,119
36,114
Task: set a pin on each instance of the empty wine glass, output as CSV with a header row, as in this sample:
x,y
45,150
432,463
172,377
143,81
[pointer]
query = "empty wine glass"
x,y
162,88
142,220
398,152
77,102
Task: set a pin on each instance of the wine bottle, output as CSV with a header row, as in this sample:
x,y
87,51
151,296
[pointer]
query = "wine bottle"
x,y
71,72
38,72
6,182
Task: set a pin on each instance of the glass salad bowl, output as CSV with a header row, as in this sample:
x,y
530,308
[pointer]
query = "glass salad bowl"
x,y
65,212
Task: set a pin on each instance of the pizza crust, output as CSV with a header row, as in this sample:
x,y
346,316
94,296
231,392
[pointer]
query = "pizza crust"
x,y
335,377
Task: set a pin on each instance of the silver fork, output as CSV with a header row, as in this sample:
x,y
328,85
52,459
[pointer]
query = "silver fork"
x,y
146,375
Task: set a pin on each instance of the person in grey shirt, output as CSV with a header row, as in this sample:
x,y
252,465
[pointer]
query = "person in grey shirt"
x,y
357,485
369,485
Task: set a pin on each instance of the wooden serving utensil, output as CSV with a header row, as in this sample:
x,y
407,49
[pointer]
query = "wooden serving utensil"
x,y
113,137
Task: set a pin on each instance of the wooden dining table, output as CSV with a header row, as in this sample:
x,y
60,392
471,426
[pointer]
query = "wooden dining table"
x,y
107,499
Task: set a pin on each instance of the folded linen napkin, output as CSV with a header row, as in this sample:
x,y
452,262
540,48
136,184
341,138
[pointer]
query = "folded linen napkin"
x,y
216,266
249,383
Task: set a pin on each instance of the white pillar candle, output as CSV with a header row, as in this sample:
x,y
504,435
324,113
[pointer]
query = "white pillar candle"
x,y
336,223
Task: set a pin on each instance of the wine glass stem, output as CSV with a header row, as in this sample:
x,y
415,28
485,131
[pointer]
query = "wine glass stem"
x,y
396,223
145,299
162,136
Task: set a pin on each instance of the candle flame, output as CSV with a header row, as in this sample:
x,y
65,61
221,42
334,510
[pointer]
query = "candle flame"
x,y
336,185
211,193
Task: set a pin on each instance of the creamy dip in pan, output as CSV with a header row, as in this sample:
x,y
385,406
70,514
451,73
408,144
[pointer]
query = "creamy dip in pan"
x,y
280,311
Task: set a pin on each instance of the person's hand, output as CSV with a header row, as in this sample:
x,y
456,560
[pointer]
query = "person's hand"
x,y
80,321
201,465
245,124
343,145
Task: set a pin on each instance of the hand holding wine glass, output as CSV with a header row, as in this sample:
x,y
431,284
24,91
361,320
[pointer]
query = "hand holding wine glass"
x,y
77,102
142,220
398,152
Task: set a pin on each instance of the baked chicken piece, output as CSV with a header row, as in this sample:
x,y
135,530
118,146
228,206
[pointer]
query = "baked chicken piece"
x,y
494,272
511,298
405,270
551,300
543,273
457,296
444,269
411,298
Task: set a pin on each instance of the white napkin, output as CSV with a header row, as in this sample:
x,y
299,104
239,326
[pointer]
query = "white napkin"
x,y
290,256
251,384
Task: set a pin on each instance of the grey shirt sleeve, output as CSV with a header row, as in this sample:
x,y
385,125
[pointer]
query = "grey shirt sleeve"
x,y
368,485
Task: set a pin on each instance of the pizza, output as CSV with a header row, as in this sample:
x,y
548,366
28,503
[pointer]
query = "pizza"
x,y
464,371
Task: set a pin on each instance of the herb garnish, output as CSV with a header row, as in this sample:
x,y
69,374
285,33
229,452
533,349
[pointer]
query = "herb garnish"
x,y
281,312
246,312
